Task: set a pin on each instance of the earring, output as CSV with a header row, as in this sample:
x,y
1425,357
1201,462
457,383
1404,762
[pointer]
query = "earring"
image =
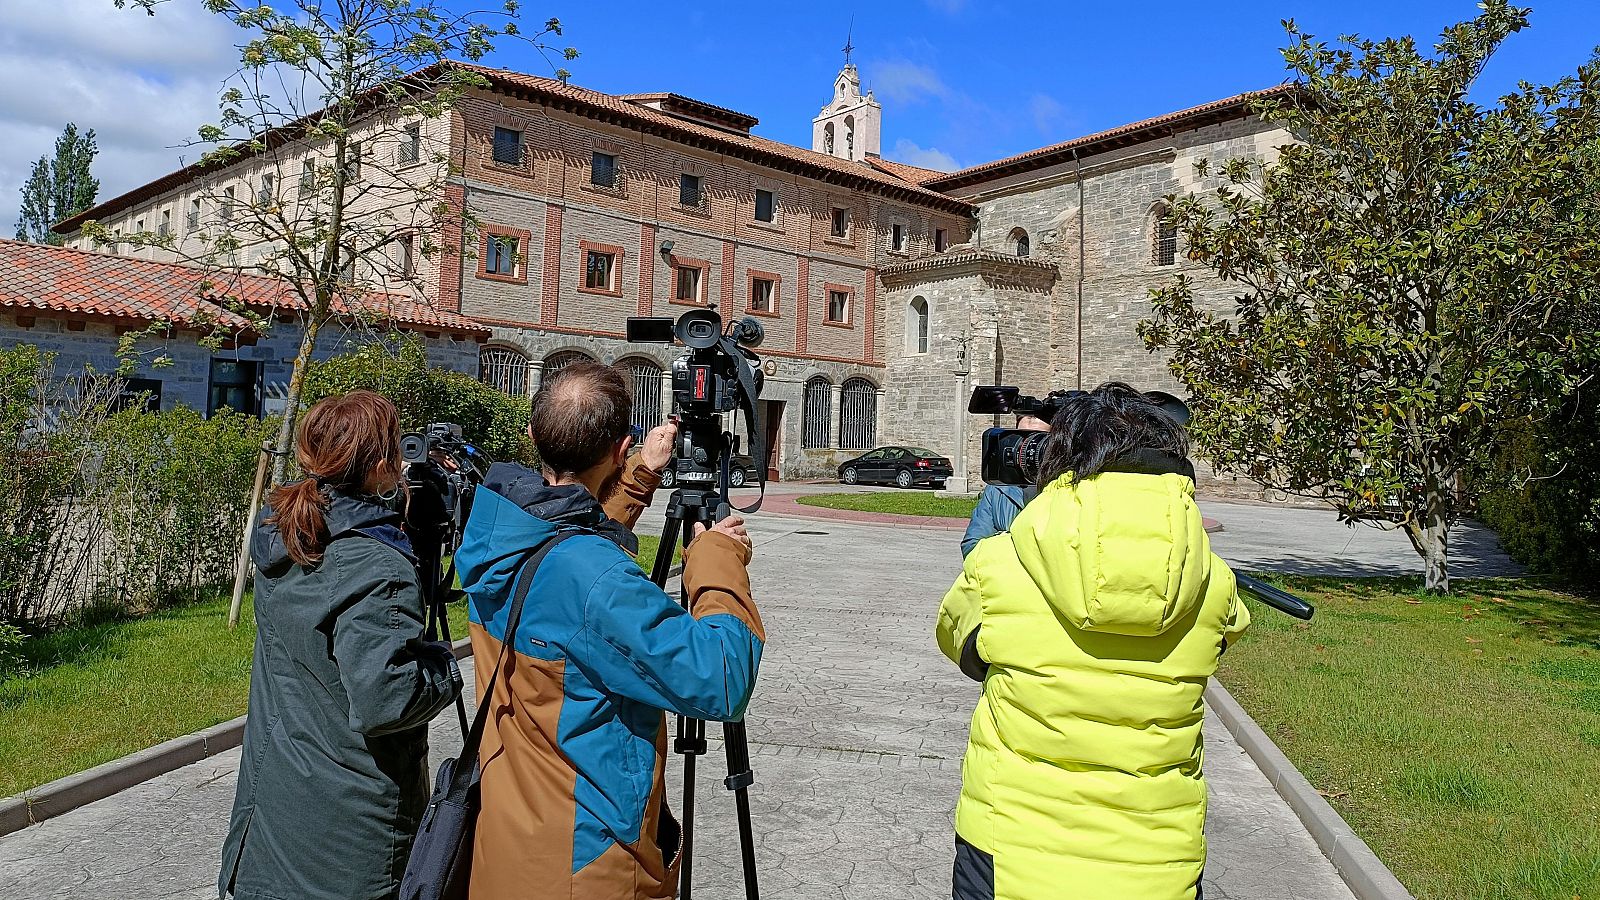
x,y
394,492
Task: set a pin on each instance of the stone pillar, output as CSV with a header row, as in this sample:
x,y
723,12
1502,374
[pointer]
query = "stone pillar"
x,y
836,419
958,482
535,376
666,393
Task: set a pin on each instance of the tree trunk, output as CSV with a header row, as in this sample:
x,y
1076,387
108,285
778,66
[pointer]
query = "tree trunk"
x,y
291,403
1431,536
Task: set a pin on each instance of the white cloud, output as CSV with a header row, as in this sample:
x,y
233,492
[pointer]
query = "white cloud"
x,y
1047,113
906,82
143,83
910,153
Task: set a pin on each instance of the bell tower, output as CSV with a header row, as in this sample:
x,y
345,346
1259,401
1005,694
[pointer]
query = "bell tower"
x,y
850,125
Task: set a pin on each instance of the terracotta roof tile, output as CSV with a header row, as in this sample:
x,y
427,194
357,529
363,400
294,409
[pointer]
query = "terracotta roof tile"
x,y
905,171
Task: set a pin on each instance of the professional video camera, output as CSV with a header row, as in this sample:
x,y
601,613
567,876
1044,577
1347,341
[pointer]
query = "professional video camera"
x,y
1012,456
442,472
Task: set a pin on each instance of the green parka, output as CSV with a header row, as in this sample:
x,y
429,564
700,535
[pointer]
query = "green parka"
x,y
1099,618
333,781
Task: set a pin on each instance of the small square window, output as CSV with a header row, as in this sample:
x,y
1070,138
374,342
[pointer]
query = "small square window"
x,y
508,146
897,237
766,206
938,240
688,284
761,295
689,192
603,170
839,307
410,149
500,256
841,222
599,270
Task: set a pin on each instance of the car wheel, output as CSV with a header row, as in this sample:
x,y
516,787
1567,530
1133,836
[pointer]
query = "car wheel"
x,y
903,479
669,477
736,478
849,476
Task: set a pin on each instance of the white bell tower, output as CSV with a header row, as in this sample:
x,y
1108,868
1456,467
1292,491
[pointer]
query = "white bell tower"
x,y
850,126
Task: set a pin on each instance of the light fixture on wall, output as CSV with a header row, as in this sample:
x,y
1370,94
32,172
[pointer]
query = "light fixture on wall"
x,y
666,248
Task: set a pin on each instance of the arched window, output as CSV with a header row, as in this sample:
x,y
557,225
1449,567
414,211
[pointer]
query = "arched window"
x,y
818,413
555,362
644,376
827,138
1163,237
858,415
850,136
1019,240
917,326
504,369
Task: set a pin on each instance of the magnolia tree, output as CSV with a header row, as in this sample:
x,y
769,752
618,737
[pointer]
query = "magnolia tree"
x,y
1414,272
331,160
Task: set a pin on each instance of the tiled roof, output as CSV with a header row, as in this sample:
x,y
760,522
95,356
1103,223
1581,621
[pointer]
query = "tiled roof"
x,y
64,280
905,171
671,102
1122,135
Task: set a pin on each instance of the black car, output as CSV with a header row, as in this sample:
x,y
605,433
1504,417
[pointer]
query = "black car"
x,y
741,471
903,466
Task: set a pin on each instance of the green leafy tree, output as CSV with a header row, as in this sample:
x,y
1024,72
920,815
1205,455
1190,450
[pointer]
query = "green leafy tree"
x,y
332,164
59,187
1416,270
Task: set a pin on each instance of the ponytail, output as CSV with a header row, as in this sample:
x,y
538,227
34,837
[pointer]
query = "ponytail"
x,y
340,443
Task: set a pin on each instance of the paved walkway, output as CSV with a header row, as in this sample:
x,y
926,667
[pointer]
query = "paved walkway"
x,y
857,731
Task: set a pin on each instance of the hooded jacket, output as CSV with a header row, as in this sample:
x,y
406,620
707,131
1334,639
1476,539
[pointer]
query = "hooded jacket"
x,y
333,779
1094,624
574,753
997,508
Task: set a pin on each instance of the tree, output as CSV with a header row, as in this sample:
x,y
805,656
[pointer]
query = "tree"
x,y
1413,272
58,188
332,171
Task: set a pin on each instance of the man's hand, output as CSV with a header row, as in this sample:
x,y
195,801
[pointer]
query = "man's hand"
x,y
656,451
732,526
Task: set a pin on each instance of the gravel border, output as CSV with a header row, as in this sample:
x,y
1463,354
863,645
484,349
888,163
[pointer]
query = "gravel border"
x,y
1367,876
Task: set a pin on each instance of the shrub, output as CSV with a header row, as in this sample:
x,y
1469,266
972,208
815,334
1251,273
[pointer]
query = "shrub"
x,y
495,422
1545,496
10,650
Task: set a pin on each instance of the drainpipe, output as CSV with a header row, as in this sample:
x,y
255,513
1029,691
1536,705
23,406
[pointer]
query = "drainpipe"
x,y
1077,174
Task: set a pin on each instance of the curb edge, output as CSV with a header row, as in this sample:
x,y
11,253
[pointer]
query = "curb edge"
x,y
1363,872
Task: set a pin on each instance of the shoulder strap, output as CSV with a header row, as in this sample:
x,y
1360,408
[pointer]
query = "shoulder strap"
x,y
519,593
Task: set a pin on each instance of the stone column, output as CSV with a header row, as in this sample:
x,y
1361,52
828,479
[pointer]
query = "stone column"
x,y
958,482
535,376
836,418
666,394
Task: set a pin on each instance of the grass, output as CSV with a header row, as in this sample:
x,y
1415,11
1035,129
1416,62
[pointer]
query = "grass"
x,y
903,503
103,689
1459,736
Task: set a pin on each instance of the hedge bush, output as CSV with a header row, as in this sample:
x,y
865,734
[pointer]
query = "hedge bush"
x,y
495,422
1545,502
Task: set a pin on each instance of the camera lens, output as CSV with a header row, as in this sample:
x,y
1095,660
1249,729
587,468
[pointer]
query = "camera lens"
x,y
1030,451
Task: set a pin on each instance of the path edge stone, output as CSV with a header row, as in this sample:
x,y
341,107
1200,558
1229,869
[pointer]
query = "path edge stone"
x,y
1365,874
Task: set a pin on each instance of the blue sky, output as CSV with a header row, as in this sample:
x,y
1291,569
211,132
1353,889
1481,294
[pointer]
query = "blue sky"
x,y
964,81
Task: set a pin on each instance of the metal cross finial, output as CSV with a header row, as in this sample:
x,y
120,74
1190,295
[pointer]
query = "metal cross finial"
x,y
848,46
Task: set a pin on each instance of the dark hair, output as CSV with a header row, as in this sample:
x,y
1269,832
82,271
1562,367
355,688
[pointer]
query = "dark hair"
x,y
1098,428
341,441
579,414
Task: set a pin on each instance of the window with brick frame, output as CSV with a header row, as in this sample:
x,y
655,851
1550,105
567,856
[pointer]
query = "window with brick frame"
x,y
600,271
500,256
838,307
897,237
938,240
839,225
603,169
690,190
410,149
766,206
507,146
688,284
763,294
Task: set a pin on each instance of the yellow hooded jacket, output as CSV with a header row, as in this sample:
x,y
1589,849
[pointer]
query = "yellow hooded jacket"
x,y
1100,616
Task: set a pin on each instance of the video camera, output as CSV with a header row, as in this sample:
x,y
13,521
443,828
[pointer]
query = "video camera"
x,y
719,373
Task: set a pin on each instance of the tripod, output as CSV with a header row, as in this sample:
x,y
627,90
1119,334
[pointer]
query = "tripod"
x,y
690,505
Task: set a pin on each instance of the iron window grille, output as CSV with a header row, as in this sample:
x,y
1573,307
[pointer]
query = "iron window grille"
x,y
817,413
603,170
689,190
410,149
507,146
858,415
646,378
504,369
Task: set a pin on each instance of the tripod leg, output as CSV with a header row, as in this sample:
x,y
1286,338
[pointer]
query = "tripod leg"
x,y
691,743
739,780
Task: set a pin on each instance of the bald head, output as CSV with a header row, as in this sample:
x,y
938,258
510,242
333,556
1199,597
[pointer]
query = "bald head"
x,y
579,416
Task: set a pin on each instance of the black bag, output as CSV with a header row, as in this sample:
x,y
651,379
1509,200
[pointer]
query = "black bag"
x,y
441,857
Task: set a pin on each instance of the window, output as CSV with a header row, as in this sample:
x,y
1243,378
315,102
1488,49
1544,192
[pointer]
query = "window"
x,y
603,170
850,137
1164,235
116,240
817,413
308,177
500,256
559,360
858,415
226,213
1019,240
507,146
138,393
841,222
599,270
688,284
897,237
405,255
938,240
504,369
762,295
194,214
165,228
917,326
646,379
689,193
234,385
766,206
838,307
138,227
827,135
410,149
264,195
352,161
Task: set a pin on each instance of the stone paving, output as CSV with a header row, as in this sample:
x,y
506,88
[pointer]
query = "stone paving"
x,y
856,736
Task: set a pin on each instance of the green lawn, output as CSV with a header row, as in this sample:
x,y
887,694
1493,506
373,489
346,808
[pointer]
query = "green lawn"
x,y
103,690
1460,736
904,503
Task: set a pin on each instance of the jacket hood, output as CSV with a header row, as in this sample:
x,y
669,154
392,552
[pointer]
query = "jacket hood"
x,y
1122,552
343,515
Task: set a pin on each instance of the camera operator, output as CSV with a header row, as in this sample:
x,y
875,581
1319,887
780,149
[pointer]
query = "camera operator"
x,y
999,504
1093,624
333,779
574,753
